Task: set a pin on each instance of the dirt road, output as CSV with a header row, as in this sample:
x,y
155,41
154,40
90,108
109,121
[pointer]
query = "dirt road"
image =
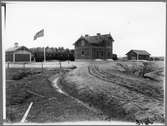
x,y
146,88
120,96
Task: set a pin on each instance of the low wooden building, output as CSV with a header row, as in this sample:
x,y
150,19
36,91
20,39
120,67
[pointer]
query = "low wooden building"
x,y
94,47
18,54
138,55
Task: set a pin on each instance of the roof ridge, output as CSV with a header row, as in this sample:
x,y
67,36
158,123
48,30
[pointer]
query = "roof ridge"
x,y
96,38
11,49
139,51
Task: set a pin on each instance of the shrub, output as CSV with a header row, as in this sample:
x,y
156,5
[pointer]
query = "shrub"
x,y
19,76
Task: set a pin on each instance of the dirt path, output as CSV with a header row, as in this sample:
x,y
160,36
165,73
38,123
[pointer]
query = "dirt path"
x,y
144,88
55,83
130,99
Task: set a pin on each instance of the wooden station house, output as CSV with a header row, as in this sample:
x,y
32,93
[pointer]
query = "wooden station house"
x,y
94,47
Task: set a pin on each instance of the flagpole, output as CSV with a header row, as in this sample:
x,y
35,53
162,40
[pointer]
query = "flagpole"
x,y
44,46
41,34
44,54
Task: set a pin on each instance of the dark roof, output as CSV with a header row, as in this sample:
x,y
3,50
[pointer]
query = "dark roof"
x,y
141,52
13,49
97,38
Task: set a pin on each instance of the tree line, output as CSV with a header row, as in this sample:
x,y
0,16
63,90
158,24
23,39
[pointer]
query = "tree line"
x,y
52,53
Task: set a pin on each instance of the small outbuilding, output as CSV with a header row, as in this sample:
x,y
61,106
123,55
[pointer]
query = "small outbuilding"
x,y
18,54
138,55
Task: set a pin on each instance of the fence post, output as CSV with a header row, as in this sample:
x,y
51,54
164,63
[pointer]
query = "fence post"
x,y
68,58
60,66
42,67
24,65
8,65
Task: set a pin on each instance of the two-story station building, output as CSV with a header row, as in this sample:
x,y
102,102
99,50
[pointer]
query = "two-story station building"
x,y
94,47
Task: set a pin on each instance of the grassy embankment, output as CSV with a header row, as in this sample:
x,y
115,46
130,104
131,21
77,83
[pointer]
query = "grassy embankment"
x,y
115,95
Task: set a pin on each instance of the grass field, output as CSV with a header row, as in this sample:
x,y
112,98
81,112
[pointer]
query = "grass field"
x,y
32,85
119,89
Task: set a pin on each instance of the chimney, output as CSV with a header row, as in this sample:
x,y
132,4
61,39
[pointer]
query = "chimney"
x,y
16,44
98,34
86,35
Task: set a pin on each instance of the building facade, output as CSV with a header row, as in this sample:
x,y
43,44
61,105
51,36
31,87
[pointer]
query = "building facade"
x,y
138,55
18,54
94,47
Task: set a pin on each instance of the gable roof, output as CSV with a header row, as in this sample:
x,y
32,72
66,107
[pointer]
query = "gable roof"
x,y
141,52
13,49
97,38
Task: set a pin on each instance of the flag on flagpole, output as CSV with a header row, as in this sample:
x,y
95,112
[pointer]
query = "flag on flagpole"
x,y
39,34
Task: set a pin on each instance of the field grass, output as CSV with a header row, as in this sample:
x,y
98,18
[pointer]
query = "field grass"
x,y
32,85
136,68
17,84
113,97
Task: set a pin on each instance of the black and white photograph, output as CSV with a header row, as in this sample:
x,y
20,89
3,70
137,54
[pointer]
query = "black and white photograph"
x,y
83,63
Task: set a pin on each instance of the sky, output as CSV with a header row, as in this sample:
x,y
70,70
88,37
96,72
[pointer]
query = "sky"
x,y
133,25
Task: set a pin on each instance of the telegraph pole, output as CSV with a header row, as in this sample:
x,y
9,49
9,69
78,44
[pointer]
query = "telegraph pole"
x,y
4,5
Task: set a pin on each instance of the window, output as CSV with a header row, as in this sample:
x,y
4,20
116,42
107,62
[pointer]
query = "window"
x,y
82,53
82,43
102,53
108,54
